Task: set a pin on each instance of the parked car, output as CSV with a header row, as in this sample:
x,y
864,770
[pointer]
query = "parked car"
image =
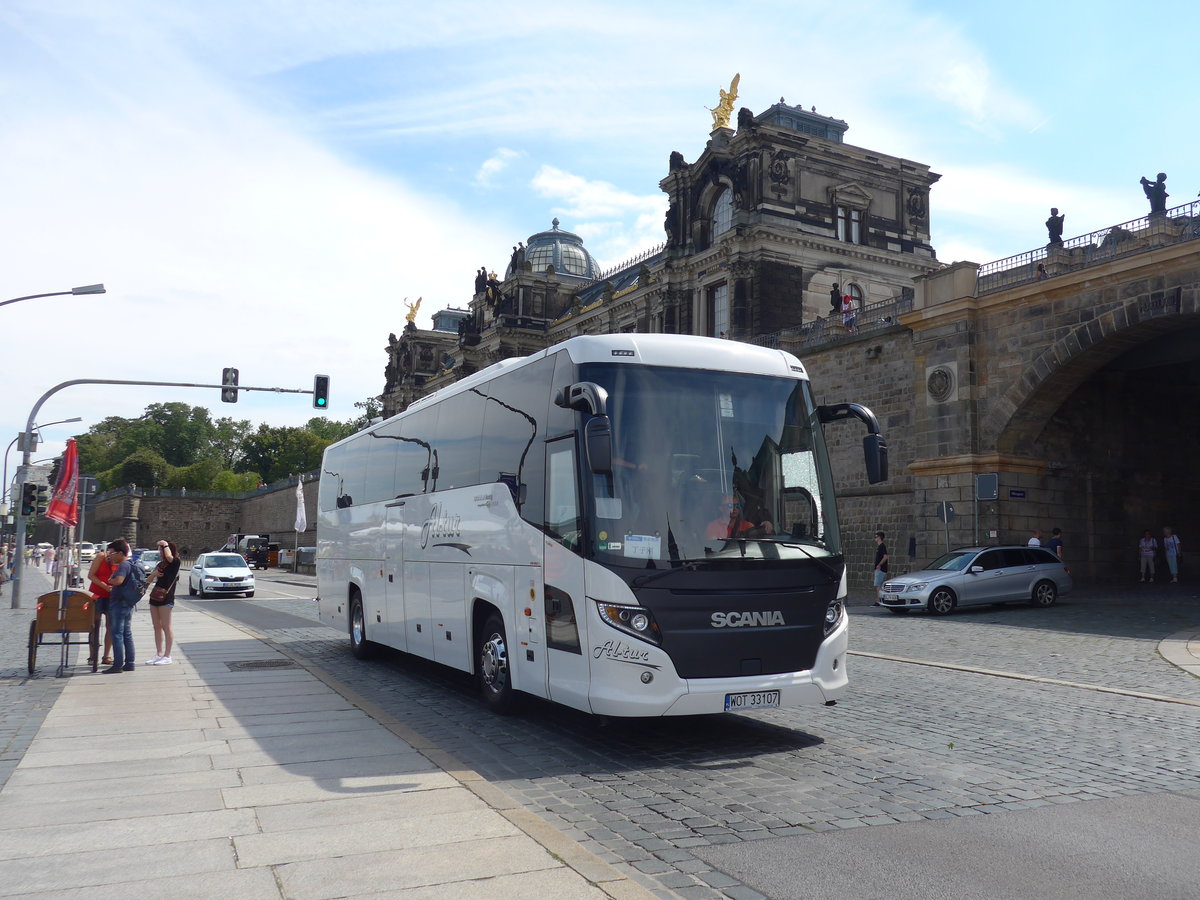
x,y
87,551
971,576
220,573
149,560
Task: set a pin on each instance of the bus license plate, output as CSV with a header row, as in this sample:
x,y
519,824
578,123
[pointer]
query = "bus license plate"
x,y
751,700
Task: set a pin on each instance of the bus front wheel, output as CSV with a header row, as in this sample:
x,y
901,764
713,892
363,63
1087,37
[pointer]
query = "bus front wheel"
x,y
495,679
358,629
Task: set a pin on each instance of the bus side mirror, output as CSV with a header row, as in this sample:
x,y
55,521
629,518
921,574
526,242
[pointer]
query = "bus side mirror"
x,y
875,453
597,436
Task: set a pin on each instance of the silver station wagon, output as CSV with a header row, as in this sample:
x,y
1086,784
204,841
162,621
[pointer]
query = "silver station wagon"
x,y
972,576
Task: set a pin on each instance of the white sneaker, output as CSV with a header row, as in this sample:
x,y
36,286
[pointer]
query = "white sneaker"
x,y
154,661
163,661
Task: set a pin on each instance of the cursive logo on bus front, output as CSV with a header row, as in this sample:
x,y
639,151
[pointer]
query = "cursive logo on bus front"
x,y
440,524
619,651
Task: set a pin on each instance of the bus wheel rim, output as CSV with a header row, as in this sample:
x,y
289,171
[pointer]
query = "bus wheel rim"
x,y
494,661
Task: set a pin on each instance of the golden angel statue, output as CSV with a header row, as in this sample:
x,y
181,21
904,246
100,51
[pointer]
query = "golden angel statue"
x,y
724,108
412,310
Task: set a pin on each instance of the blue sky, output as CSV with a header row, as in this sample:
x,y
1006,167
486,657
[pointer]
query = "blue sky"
x,y
262,184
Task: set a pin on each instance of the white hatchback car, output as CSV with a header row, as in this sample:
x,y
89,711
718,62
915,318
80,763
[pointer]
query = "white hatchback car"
x,y
220,573
972,576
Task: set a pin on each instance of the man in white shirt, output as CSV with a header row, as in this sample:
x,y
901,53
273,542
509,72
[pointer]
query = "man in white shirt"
x,y
1036,540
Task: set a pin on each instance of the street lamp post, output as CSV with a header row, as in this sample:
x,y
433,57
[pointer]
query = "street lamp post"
x,y
86,289
19,548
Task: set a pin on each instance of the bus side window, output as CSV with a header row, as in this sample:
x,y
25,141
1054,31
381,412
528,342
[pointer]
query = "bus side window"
x,y
562,503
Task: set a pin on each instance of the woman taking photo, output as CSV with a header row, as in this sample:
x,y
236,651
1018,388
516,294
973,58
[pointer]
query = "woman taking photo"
x,y
162,601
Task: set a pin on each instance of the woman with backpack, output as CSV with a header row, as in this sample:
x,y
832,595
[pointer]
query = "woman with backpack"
x,y
162,601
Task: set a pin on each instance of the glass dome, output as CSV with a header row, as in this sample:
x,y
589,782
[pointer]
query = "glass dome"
x,y
561,249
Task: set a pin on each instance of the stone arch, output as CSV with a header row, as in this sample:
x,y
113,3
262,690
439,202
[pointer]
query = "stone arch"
x,y
1014,423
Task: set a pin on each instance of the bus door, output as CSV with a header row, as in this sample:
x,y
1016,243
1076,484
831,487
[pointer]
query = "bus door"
x,y
563,597
393,576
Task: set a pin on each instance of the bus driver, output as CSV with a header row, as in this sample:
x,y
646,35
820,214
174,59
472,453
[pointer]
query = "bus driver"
x,y
731,524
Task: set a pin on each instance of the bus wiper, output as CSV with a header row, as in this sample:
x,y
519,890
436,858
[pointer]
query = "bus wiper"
x,y
643,580
830,569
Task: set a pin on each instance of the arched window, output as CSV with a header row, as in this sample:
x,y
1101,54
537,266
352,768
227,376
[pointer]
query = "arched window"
x,y
722,214
856,295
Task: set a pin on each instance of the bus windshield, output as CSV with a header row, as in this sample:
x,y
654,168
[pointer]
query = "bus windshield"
x,y
710,465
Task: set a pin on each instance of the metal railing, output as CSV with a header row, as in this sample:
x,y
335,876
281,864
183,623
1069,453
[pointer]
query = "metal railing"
x,y
627,264
869,319
137,491
1182,223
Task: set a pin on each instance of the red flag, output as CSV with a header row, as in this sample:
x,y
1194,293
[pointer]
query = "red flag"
x,y
64,504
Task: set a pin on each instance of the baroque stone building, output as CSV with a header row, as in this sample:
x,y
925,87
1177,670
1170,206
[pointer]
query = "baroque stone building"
x,y
771,221
1066,375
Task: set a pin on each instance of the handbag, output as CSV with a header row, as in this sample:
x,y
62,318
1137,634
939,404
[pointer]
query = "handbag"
x,y
159,594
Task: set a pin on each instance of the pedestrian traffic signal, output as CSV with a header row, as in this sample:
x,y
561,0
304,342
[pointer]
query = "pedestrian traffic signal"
x,y
229,390
42,498
28,499
320,392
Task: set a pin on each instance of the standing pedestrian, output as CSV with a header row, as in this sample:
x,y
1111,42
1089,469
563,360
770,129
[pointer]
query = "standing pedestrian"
x,y
1055,544
48,556
881,566
97,578
36,555
1174,551
162,602
1147,548
120,607
849,314
1036,540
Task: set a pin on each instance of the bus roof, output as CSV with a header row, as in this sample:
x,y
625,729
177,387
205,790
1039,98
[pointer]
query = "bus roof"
x,y
683,351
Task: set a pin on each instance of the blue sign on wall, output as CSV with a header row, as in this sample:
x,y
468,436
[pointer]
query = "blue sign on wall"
x,y
1017,495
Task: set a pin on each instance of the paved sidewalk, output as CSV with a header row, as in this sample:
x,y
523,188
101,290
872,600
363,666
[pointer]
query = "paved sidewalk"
x,y
1182,649
237,772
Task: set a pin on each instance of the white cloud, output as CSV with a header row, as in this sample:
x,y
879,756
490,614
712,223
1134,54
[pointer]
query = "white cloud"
x,y
494,165
619,222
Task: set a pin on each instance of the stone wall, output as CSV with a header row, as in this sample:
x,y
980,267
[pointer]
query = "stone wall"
x,y
199,523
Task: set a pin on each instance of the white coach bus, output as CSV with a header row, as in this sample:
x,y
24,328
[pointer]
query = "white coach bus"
x,y
631,525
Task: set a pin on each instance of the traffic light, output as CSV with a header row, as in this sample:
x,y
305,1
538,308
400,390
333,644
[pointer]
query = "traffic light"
x,y
41,498
229,390
320,392
28,499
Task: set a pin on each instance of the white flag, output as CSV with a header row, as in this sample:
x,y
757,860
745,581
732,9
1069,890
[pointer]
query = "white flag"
x,y
301,519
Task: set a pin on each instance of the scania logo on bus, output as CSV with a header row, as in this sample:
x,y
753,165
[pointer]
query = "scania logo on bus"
x,y
440,524
745,619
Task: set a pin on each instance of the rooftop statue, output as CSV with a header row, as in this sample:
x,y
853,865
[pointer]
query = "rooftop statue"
x,y
1054,225
1156,193
412,310
724,108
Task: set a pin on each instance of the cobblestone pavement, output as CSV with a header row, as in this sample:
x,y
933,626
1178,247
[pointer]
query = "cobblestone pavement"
x,y
24,699
916,739
933,728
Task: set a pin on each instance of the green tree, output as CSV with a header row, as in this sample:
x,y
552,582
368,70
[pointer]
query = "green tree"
x,y
145,468
229,481
276,452
228,437
329,430
185,433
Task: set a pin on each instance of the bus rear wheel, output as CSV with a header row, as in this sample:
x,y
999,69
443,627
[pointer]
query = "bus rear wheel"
x,y
495,678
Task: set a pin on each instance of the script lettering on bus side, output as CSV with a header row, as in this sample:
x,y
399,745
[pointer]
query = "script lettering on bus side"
x,y
440,524
619,651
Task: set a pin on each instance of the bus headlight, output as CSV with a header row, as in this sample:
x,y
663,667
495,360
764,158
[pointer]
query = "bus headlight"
x,y
633,620
833,615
